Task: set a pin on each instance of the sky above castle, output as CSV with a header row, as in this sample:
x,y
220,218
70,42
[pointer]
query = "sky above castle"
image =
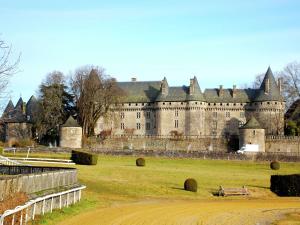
x,y
220,42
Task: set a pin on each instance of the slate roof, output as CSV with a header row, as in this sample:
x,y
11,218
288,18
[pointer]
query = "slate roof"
x,y
70,122
9,109
252,124
197,95
241,96
140,91
274,93
174,94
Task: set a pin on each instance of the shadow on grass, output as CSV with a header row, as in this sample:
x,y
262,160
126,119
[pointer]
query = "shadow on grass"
x,y
257,186
178,188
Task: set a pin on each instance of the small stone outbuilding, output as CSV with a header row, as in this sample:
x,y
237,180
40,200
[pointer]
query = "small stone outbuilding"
x,y
70,134
252,133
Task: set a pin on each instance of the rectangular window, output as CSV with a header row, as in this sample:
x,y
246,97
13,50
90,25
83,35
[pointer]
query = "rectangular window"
x,y
138,126
176,123
122,115
214,125
176,113
215,114
138,115
227,114
148,115
147,126
242,114
122,126
241,123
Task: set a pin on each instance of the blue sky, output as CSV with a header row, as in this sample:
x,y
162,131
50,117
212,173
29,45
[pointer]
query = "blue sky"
x,y
221,42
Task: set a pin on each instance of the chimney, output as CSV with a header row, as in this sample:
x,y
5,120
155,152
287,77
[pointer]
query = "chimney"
x,y
164,86
267,86
280,85
234,91
192,86
221,91
133,79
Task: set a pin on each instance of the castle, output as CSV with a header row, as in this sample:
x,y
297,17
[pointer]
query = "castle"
x,y
155,108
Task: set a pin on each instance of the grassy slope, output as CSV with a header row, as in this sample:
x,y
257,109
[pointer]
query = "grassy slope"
x,y
117,179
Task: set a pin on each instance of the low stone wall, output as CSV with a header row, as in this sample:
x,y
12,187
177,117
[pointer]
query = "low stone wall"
x,y
283,144
34,179
172,144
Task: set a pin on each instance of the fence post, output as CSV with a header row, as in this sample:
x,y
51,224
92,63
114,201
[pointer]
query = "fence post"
x,y
26,216
79,195
21,217
68,199
59,201
13,220
74,197
43,207
51,206
33,211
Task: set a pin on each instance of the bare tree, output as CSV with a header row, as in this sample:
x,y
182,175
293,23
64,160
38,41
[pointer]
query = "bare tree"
x,y
7,67
56,104
96,95
291,82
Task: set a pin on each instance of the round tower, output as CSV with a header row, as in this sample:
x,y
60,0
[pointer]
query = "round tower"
x,y
195,110
252,133
70,134
269,105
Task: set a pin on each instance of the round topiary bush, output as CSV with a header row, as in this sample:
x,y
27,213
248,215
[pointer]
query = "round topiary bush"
x,y
190,185
140,162
275,165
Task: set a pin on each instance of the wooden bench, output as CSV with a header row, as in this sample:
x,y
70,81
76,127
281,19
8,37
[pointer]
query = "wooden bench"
x,y
233,191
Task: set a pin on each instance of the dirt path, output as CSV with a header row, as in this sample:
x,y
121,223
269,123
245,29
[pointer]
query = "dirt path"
x,y
210,212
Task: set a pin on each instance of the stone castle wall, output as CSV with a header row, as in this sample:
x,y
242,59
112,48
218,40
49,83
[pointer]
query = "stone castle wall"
x,y
283,144
70,137
162,144
36,182
193,118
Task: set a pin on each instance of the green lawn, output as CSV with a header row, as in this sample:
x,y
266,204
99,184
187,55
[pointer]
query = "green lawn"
x,y
52,155
117,179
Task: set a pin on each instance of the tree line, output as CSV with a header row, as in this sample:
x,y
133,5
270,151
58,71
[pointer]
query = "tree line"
x,y
88,94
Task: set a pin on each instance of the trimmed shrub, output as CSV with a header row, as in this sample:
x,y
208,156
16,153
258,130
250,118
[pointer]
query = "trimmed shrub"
x,y
140,162
84,158
275,165
190,184
286,185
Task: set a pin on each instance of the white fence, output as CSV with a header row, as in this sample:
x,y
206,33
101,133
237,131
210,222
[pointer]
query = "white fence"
x,y
8,162
41,205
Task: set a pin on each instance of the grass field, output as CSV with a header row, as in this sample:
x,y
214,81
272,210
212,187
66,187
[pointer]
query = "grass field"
x,y
117,181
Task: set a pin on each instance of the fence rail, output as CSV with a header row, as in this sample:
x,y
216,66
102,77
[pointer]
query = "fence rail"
x,y
8,162
47,204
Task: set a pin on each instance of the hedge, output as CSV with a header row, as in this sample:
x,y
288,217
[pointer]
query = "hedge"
x,y
84,158
1,151
190,184
140,162
286,185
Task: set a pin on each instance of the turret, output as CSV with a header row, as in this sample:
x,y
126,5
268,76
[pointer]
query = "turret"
x,y
164,87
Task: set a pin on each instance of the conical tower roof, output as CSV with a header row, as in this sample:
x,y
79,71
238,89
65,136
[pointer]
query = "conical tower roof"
x,y
9,109
252,124
71,122
197,95
20,103
274,92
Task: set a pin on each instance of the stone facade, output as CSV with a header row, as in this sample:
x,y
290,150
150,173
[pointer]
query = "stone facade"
x,y
252,133
154,108
16,121
70,134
